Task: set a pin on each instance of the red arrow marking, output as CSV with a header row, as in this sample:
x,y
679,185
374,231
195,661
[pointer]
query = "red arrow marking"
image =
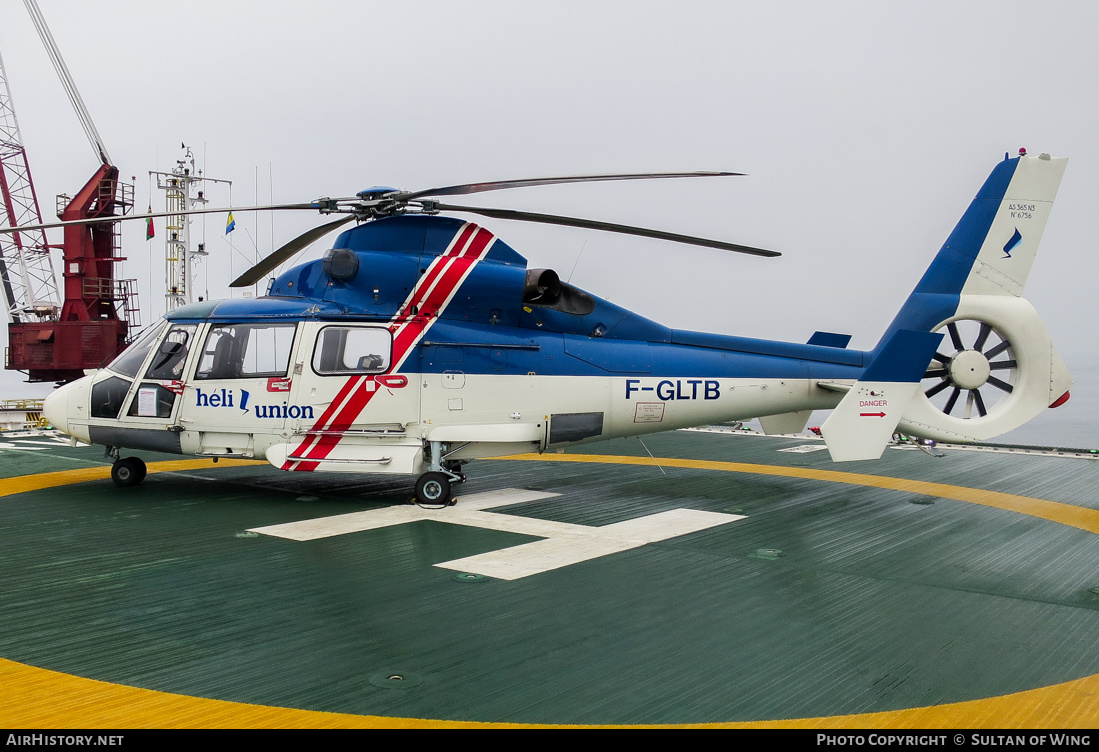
x,y
872,415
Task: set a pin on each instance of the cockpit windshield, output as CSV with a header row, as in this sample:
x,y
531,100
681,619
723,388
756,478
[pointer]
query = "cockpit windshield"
x,y
170,357
129,362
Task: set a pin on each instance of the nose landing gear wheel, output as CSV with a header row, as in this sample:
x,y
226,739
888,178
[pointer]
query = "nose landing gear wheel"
x,y
128,471
433,489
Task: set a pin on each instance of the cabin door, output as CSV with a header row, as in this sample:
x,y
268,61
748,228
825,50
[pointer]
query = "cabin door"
x,y
347,385
241,386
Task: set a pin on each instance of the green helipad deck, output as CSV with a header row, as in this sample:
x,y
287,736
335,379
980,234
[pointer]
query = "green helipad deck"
x,y
731,581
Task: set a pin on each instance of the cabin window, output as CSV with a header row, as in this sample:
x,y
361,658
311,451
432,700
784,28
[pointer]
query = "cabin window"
x,y
152,401
169,359
348,349
246,351
130,361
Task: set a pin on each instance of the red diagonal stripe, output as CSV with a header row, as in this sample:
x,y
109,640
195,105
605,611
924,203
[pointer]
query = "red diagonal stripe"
x,y
438,297
475,248
434,290
328,442
322,422
323,444
452,274
438,265
439,277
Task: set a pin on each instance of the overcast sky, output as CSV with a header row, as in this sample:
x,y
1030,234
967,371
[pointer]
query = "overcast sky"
x,y
866,128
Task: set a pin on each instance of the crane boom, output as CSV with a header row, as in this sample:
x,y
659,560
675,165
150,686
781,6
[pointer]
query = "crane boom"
x,y
67,81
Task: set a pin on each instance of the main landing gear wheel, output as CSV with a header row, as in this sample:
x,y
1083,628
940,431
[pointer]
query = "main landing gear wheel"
x,y
128,471
433,489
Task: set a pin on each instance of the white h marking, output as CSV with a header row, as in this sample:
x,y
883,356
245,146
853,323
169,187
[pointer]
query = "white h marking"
x,y
564,543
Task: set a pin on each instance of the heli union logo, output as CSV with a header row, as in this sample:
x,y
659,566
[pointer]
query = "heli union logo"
x,y
1013,243
225,398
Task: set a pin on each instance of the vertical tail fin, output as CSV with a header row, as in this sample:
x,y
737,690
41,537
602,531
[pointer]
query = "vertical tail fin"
x,y
997,368
991,249
1004,258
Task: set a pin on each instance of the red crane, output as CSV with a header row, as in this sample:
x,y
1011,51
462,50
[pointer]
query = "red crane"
x,y
47,340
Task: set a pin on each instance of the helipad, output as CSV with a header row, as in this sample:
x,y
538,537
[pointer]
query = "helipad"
x,y
725,582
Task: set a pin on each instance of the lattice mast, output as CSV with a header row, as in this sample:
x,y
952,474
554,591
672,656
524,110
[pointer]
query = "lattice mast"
x,y
26,273
97,311
183,189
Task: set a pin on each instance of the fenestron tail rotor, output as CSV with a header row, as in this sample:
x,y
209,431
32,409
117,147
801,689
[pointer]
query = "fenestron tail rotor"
x,y
973,370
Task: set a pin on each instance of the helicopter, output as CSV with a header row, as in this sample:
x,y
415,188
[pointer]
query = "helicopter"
x,y
421,341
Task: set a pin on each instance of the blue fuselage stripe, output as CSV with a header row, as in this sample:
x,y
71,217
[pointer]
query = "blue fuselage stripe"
x,y
553,354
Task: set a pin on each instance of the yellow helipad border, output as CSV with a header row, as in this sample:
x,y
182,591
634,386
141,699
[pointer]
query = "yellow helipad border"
x,y
1054,511
38,698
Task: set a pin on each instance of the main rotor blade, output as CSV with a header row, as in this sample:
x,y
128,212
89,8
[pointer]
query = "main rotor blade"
x,y
284,254
153,215
499,185
590,224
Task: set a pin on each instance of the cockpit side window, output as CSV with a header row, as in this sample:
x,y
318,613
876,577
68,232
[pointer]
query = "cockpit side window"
x,y
169,358
346,349
129,362
245,351
108,396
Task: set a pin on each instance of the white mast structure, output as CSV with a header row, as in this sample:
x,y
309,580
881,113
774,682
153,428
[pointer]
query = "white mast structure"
x,y
183,190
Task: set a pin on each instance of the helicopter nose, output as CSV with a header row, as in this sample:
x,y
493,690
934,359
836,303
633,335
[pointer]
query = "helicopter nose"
x,y
55,408
66,403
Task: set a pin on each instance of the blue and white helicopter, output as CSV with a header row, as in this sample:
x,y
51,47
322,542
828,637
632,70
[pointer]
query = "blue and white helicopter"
x,y
420,342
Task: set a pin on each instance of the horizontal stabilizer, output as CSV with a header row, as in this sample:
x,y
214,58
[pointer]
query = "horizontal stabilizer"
x,y
863,423
829,339
904,357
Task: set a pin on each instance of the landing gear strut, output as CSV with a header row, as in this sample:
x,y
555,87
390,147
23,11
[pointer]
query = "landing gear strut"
x,y
128,471
435,487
